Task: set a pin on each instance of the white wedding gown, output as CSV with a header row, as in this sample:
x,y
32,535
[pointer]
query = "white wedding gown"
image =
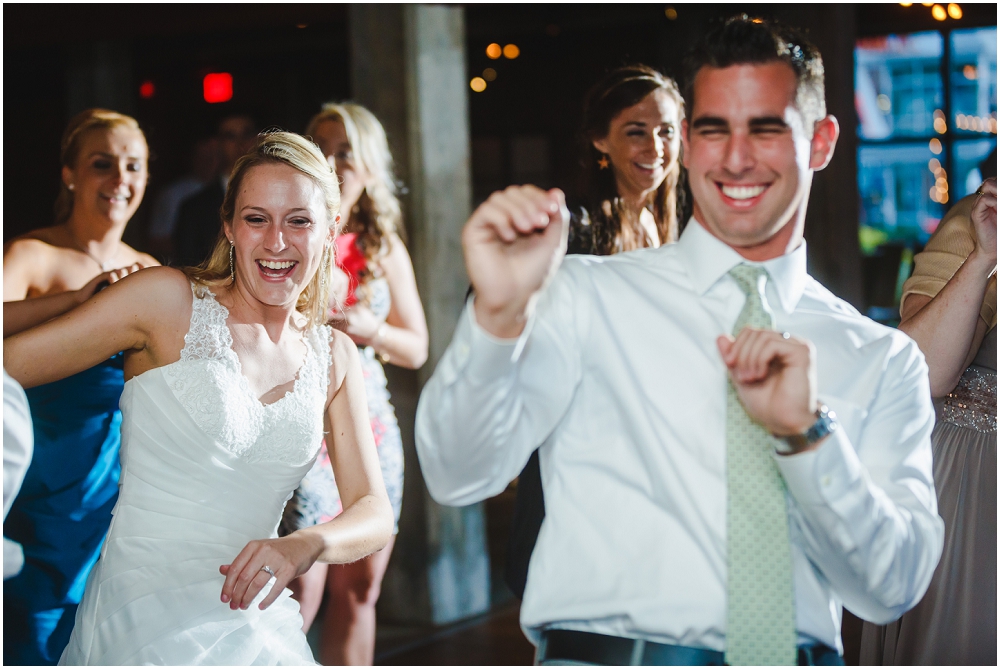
x,y
205,469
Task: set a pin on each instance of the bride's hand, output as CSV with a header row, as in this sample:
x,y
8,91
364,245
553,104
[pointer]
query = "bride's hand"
x,y
287,557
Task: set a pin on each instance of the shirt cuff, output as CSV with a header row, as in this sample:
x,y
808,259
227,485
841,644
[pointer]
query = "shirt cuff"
x,y
824,476
484,356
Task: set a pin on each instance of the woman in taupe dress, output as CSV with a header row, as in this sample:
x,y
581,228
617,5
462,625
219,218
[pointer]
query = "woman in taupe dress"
x,y
949,307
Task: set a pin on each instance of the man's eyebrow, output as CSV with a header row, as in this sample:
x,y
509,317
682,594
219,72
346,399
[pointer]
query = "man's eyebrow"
x,y
709,122
640,124
767,121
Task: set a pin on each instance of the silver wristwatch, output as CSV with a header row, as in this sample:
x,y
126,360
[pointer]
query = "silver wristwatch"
x,y
826,423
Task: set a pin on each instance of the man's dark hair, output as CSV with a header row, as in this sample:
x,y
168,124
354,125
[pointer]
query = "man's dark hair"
x,y
742,40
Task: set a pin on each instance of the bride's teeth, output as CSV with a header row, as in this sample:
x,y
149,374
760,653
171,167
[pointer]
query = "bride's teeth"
x,y
742,192
272,264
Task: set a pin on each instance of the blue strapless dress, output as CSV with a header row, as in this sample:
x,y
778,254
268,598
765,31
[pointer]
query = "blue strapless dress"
x,y
63,510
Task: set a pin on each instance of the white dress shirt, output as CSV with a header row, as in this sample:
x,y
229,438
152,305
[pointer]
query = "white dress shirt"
x,y
18,440
618,379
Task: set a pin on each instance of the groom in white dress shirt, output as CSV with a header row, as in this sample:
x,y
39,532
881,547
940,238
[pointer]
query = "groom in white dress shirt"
x,y
661,419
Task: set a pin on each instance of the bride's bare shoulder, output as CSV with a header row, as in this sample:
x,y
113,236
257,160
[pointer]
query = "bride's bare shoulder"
x,y
343,356
163,289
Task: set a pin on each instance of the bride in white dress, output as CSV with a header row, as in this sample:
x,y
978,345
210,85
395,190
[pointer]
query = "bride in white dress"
x,y
233,380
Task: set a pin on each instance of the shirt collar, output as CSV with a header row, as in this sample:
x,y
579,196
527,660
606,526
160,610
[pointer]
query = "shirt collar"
x,y
707,259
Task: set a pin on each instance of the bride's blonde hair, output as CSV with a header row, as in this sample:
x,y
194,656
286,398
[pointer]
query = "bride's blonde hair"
x,y
299,153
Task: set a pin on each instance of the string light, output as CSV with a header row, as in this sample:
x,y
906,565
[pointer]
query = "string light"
x,y
976,123
940,126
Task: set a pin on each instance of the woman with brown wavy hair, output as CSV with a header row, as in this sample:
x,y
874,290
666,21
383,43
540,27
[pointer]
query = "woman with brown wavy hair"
x,y
630,187
386,321
64,506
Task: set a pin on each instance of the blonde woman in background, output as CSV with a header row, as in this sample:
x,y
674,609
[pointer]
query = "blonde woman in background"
x,y
387,324
233,378
64,507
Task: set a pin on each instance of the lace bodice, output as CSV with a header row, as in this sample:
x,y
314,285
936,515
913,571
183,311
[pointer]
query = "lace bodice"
x,y
208,381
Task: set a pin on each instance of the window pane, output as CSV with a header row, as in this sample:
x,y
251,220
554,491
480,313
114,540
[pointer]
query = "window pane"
x,y
973,80
898,85
966,156
902,198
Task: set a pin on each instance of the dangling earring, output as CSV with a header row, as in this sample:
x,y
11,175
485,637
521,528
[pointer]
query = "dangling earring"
x,y
232,264
602,162
324,277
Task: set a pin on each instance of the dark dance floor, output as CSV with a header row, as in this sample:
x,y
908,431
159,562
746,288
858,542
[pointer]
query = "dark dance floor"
x,y
493,638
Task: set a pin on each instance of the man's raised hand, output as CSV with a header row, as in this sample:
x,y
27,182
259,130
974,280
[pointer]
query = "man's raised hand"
x,y
514,243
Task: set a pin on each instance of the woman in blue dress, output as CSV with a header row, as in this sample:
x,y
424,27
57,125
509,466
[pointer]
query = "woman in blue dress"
x,y
63,509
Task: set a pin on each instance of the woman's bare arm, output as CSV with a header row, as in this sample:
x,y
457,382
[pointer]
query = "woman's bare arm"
x,y
132,315
403,338
19,315
948,328
366,523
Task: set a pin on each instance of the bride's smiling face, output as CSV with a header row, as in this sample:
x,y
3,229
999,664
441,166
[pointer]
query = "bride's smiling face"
x,y
280,229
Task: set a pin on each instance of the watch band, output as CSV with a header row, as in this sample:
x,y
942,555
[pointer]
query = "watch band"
x,y
826,423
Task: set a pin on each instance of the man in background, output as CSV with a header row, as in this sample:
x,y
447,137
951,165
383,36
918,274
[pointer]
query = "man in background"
x,y
198,221
203,168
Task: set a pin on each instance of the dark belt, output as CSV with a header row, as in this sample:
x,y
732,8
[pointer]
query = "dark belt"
x,y
617,651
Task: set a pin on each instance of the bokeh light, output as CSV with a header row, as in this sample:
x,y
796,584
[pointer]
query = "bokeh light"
x,y
954,11
218,87
937,11
147,90
935,146
940,126
478,84
511,51
489,74
493,51
670,13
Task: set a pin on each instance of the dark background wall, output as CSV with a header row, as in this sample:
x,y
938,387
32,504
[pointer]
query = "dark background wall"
x,y
288,59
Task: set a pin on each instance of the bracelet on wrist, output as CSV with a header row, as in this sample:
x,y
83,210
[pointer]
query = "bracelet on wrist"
x,y
378,339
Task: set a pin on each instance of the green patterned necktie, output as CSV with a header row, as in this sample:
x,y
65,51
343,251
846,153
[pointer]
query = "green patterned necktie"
x,y
760,621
